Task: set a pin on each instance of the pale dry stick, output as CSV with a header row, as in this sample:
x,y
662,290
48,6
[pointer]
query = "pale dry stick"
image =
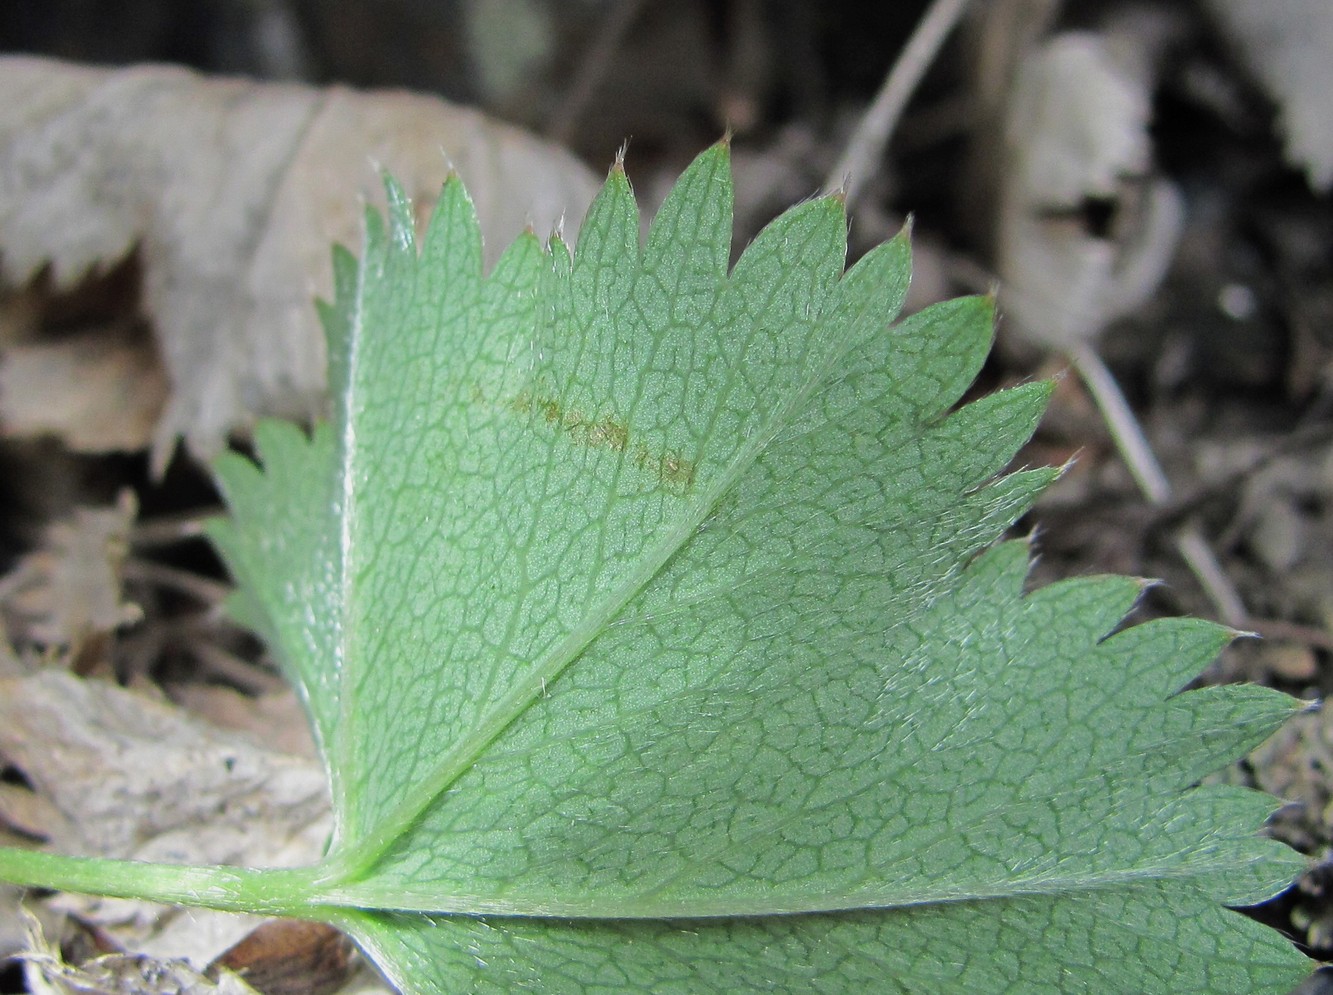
x,y
249,677
167,530
1148,473
205,590
859,159
592,69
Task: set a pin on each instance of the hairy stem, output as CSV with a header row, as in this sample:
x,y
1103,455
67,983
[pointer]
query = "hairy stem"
x,y
231,889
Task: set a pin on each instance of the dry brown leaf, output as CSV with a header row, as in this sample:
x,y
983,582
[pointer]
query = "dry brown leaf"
x,y
290,957
12,937
274,720
1076,144
128,776
139,778
25,814
99,391
67,593
1288,45
47,973
234,191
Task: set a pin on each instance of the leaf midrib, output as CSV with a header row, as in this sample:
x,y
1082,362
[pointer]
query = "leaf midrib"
x,y
345,493
358,895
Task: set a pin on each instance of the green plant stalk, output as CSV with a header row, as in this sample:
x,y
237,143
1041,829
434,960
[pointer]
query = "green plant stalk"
x,y
230,889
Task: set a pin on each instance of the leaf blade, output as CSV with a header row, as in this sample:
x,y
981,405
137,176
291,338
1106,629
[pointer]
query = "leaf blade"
x,y
672,593
1080,943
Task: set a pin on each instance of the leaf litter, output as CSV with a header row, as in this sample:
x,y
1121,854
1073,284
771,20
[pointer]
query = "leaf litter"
x,y
68,594
232,191
111,772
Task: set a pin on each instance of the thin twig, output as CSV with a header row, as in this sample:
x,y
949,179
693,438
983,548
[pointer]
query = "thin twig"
x,y
1201,559
868,142
592,69
1145,469
1125,429
202,589
167,530
247,676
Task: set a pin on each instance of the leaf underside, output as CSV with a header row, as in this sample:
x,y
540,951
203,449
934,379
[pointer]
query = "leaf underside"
x,y
653,628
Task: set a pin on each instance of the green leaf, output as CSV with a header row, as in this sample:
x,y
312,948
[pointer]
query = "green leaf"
x,y
656,634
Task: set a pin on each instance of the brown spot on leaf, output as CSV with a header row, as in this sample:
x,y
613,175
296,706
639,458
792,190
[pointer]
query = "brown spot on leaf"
x,y
670,468
677,470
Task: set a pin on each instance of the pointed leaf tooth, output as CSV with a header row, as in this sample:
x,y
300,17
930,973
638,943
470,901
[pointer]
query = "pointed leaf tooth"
x,y
875,288
1006,420
1087,608
402,224
336,316
453,241
953,339
1224,722
375,240
608,242
1164,654
279,444
689,240
346,271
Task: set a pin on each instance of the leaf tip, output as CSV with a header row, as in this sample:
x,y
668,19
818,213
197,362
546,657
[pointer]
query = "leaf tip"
x,y
1235,633
402,225
1068,464
1146,584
